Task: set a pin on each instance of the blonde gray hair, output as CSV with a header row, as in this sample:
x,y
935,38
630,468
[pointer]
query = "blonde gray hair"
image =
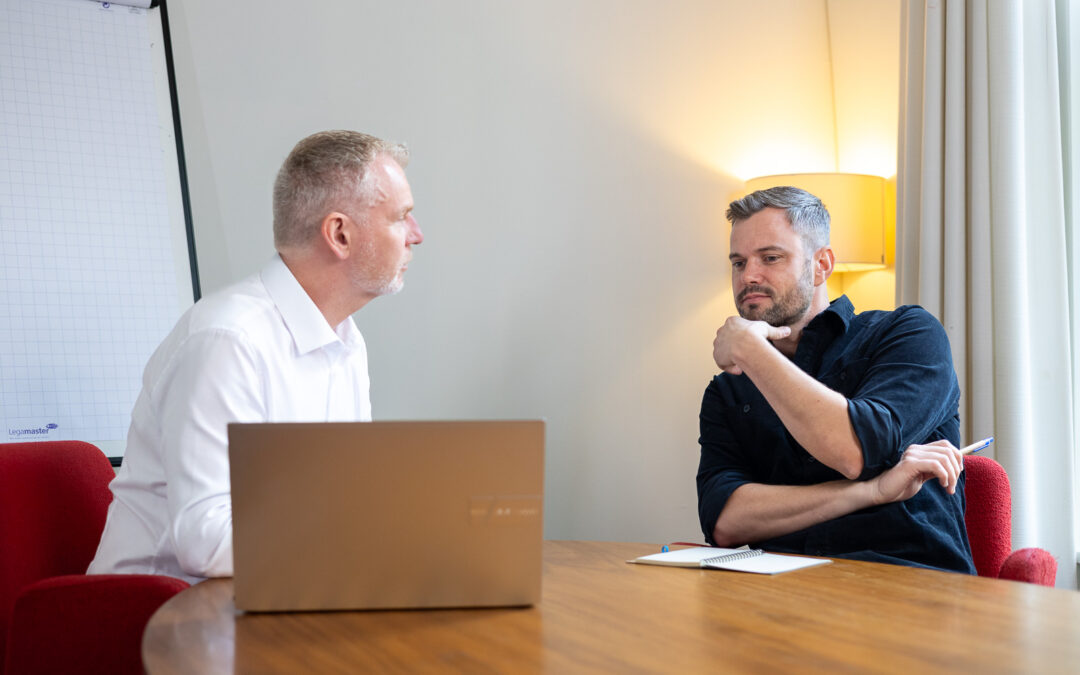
x,y
326,172
805,212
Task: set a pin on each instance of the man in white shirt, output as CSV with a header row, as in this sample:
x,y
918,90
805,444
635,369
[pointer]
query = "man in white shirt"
x,y
280,345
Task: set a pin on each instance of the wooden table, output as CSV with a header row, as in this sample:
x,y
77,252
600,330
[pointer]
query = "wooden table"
x,y
600,614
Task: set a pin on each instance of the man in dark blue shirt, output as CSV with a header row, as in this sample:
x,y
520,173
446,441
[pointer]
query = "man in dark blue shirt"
x,y
828,433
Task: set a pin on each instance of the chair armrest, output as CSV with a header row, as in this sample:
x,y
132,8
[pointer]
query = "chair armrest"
x,y
1033,565
84,623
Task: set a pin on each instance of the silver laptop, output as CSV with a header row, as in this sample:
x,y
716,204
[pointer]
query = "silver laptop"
x,y
384,515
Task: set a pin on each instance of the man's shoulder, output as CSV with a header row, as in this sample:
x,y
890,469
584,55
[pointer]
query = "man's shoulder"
x,y
904,322
909,330
237,314
237,319
904,314
242,307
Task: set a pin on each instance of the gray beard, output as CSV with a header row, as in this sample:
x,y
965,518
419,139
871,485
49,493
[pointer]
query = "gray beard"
x,y
788,308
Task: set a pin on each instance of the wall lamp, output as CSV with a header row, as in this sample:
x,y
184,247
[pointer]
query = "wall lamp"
x,y
856,204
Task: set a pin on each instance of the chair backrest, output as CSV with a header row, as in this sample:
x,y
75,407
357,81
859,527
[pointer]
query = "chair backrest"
x,y
989,513
53,499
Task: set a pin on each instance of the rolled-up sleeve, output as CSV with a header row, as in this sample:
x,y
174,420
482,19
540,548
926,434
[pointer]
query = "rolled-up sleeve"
x,y
906,389
215,378
722,468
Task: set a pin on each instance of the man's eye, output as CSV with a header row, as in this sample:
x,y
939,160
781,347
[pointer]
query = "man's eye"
x,y
738,264
772,258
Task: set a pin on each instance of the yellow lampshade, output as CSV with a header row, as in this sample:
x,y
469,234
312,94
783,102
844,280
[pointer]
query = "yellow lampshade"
x,y
856,205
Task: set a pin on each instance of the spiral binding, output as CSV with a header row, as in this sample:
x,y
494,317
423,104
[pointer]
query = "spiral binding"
x,y
732,557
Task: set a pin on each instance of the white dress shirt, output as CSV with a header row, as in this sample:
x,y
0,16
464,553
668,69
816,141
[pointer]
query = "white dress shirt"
x,y
258,351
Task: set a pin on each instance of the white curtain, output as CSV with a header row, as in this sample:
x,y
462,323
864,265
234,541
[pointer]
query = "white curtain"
x,y
986,203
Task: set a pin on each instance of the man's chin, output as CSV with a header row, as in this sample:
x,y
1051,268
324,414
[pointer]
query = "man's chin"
x,y
391,288
753,313
765,315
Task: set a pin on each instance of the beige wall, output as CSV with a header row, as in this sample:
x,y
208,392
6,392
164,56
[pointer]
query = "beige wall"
x,y
571,165
865,42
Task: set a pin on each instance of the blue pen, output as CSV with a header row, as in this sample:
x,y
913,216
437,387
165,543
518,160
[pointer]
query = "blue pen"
x,y
977,446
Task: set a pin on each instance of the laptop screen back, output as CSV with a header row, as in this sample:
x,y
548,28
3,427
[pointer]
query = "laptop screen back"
x,y
380,515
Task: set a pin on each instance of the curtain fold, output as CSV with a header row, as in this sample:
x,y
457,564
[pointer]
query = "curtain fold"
x,y
983,237
1068,16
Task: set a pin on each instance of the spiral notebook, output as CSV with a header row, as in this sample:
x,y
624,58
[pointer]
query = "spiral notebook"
x,y
734,559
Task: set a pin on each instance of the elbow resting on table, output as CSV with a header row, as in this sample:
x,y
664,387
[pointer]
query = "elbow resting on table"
x,y
725,536
207,564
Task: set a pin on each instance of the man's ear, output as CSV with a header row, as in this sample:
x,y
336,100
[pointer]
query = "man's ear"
x,y
824,262
336,233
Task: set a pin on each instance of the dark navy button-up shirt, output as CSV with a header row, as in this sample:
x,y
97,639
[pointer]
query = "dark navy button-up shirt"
x,y
895,368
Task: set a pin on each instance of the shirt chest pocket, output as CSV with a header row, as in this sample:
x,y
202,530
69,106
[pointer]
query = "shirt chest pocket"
x,y
845,377
758,429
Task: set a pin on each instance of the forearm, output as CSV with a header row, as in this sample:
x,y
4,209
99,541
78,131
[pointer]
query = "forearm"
x,y
203,539
199,498
755,511
816,416
216,380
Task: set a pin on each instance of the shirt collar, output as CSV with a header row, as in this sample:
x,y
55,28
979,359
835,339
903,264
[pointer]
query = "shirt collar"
x,y
840,312
832,322
304,321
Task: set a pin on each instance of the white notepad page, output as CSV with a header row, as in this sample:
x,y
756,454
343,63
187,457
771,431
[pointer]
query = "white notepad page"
x,y
736,560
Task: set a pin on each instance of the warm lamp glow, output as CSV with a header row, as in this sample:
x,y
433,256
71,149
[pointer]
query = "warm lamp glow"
x,y
856,204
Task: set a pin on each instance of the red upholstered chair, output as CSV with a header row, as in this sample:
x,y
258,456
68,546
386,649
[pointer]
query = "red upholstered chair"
x,y
54,618
989,526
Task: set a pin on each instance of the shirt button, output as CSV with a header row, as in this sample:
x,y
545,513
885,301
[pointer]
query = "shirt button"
x,y
843,376
746,408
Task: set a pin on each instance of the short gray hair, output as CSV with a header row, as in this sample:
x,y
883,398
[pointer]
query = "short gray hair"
x,y
805,212
325,172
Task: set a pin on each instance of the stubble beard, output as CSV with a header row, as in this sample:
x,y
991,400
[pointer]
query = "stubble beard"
x,y
786,310
374,281
379,287
394,286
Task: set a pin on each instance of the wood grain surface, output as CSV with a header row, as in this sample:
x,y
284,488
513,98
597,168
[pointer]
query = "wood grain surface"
x,y
600,614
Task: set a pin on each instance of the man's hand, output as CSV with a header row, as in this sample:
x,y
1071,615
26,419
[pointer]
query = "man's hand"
x,y
919,464
735,334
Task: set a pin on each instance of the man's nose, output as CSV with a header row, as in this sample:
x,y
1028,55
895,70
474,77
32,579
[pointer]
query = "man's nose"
x,y
752,271
416,235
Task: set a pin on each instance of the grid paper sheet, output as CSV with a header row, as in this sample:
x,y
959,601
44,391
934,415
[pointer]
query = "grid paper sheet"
x,y
88,283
